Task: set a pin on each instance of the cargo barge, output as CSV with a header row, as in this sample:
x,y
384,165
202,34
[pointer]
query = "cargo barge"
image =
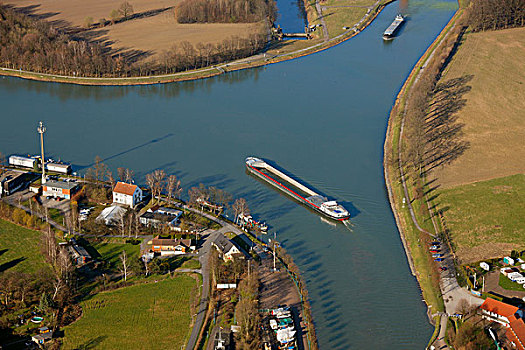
x,y
393,28
310,198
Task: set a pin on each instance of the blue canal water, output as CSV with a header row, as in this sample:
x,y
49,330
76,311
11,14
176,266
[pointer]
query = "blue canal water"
x,y
322,117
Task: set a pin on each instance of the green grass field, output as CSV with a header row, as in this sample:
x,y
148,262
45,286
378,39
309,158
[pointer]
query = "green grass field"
x,y
111,251
486,219
20,248
505,283
144,316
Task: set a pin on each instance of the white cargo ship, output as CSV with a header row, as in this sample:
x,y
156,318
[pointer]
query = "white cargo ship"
x,y
319,203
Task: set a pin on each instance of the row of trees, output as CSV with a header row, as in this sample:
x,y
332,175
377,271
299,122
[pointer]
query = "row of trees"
x,y
226,11
496,14
185,56
34,45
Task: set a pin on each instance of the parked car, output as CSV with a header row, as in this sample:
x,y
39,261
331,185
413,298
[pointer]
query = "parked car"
x,y
434,247
439,259
443,268
435,243
434,251
437,255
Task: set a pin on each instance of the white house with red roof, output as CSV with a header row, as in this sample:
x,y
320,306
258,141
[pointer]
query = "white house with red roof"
x,y
509,316
127,194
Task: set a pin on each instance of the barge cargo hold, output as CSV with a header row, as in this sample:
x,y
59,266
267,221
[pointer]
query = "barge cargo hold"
x,y
319,203
393,28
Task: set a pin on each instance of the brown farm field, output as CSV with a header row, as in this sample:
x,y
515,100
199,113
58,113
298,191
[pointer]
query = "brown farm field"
x,y
156,34
151,34
493,115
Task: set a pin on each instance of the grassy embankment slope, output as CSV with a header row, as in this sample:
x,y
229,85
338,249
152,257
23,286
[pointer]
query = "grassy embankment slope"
x,y
484,206
20,248
144,316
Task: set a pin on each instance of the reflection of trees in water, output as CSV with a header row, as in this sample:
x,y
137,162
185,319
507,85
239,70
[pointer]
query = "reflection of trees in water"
x,y
301,14
69,91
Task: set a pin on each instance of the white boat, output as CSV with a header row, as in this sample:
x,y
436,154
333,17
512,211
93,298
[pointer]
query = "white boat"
x,y
393,28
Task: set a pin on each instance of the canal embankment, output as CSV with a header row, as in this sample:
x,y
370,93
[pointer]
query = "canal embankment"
x,y
416,223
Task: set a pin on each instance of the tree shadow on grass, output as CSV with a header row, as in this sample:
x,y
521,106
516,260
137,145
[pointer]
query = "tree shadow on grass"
x,y
93,343
6,266
444,133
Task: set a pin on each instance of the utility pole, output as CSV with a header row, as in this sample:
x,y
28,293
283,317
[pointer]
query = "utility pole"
x,y
274,235
41,130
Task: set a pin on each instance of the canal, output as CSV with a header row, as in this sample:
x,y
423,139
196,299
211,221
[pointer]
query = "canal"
x,y
321,117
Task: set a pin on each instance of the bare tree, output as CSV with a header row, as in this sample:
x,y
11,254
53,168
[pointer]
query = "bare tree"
x,y
173,187
129,175
125,9
2,163
110,178
49,245
158,182
240,207
125,264
150,181
98,171
121,172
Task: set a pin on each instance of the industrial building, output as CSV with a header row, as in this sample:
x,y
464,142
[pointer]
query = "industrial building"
x,y
59,189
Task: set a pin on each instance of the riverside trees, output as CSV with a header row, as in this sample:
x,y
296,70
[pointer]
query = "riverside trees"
x,y
229,11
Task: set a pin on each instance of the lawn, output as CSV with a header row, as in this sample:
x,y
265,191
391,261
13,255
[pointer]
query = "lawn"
x,y
19,248
110,252
505,283
486,219
144,316
492,66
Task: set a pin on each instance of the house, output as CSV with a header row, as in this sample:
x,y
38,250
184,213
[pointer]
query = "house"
x,y
516,333
227,249
155,219
498,311
59,189
127,194
42,338
79,254
161,215
11,182
166,246
112,215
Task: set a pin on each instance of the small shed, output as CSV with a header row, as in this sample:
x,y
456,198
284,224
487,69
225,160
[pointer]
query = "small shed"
x,y
508,260
42,338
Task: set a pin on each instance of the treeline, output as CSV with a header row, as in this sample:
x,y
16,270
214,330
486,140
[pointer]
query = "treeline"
x,y
496,14
34,45
226,11
186,56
